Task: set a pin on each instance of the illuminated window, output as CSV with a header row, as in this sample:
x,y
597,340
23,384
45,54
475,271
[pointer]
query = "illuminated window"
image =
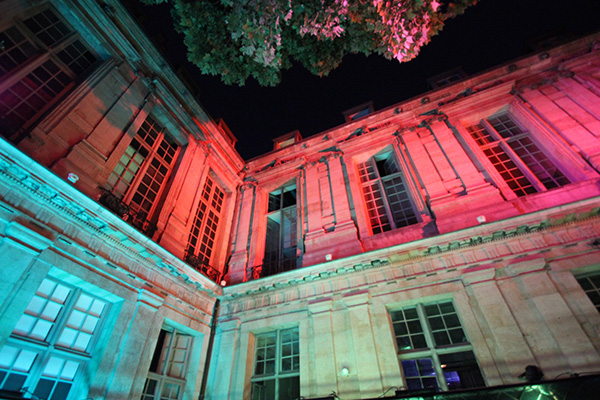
x,y
516,157
169,366
141,174
387,200
52,341
591,285
40,60
433,348
281,240
277,366
204,230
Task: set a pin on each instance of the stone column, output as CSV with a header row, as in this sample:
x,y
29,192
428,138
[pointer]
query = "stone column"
x,y
130,366
322,358
367,366
331,230
556,337
227,377
242,235
461,193
503,334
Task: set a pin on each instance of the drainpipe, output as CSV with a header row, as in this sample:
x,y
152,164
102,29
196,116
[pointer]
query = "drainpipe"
x,y
211,339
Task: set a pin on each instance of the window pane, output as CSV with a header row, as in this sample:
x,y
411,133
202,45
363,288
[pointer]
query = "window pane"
x,y
263,390
461,370
591,286
204,228
276,365
289,388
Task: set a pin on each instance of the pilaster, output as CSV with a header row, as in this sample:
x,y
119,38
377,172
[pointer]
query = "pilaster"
x,y
242,235
331,233
502,332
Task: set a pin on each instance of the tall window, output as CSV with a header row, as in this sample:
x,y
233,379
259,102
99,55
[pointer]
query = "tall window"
x,y
141,174
281,241
40,60
433,349
204,230
169,366
388,202
591,285
516,157
52,342
277,366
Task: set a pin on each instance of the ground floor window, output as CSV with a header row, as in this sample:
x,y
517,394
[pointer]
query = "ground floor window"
x,y
591,285
169,366
433,349
52,342
277,365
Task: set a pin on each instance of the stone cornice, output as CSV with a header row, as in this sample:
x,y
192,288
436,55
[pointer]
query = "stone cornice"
x,y
406,113
415,258
20,173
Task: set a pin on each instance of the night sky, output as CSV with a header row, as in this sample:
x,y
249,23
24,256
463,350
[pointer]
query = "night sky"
x,y
488,34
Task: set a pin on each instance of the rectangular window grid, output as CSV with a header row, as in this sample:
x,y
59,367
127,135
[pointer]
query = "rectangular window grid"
x,y
277,366
169,366
433,350
381,175
204,229
45,79
282,232
51,341
591,286
16,50
23,100
150,156
515,156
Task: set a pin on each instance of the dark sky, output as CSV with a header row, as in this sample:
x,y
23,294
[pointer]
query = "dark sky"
x,y
488,34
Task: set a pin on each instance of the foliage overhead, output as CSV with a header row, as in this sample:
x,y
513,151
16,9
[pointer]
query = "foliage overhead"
x,y
237,39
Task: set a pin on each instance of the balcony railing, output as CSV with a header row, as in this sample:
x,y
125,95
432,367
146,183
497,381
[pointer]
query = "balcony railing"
x,y
201,266
140,222
137,219
273,267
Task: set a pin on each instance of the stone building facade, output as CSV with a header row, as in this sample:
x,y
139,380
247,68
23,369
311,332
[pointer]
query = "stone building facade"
x,y
443,243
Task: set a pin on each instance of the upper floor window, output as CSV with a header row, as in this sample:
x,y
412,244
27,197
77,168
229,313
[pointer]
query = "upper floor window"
x,y
358,112
41,57
433,349
140,176
389,205
204,229
277,366
282,232
169,366
52,341
516,157
591,285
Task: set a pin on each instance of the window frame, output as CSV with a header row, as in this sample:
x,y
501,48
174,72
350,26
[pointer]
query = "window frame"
x,y
42,54
162,378
278,374
408,180
199,224
595,299
503,143
49,347
430,350
279,265
131,190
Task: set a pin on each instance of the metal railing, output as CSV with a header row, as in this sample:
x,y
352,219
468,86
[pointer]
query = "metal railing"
x,y
137,219
201,266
